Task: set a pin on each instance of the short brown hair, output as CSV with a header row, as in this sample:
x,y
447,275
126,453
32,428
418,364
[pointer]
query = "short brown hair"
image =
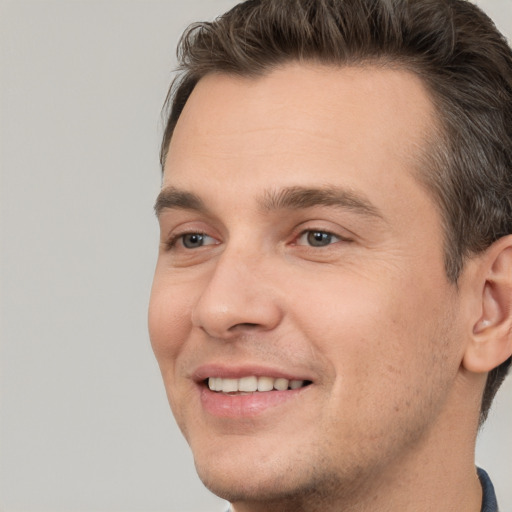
x,y
455,49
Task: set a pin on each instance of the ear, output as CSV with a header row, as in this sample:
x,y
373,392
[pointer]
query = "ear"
x,y
491,337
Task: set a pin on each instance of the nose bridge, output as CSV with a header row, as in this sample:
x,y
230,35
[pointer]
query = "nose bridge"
x,y
239,295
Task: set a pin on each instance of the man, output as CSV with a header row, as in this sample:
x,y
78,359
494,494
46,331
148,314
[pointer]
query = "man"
x,y
331,308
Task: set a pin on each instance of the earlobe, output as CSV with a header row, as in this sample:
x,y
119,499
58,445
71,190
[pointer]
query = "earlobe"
x,y
491,337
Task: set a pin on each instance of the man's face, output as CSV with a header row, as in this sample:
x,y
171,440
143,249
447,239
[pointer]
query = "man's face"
x,y
298,250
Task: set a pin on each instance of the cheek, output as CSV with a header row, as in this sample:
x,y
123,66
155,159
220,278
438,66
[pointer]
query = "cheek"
x,y
168,321
169,328
374,330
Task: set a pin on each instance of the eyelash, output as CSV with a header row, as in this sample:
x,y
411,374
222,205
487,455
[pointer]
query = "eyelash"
x,y
171,243
174,239
316,231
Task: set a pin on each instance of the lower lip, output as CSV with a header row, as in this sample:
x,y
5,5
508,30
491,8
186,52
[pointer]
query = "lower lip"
x,y
247,405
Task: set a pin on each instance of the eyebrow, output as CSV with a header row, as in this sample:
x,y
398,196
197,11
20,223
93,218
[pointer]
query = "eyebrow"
x,y
296,198
288,198
174,198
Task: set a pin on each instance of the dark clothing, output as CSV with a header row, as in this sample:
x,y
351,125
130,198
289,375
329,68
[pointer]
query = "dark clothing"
x,y
489,503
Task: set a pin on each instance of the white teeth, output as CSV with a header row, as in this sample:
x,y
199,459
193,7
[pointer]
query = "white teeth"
x,y
250,384
281,384
215,383
265,383
229,385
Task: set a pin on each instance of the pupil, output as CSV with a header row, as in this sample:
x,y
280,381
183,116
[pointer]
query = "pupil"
x,y
193,240
318,238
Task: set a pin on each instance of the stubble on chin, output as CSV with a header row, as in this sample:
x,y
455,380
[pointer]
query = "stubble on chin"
x,y
299,488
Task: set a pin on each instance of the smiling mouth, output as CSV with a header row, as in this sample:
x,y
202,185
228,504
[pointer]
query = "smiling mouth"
x,y
253,384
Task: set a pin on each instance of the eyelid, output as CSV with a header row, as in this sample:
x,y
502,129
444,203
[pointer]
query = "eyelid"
x,y
332,239
174,229
304,229
175,238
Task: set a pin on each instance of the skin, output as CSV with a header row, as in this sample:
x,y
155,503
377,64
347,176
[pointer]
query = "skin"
x,y
369,318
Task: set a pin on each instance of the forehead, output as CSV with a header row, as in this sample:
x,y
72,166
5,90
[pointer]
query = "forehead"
x,y
302,124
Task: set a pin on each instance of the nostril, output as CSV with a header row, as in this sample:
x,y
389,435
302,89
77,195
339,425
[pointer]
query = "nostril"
x,y
245,325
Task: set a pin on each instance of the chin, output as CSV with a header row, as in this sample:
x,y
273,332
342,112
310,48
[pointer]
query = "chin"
x,y
273,477
252,485
236,474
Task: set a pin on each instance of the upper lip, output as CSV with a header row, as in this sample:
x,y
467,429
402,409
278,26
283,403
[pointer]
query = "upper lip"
x,y
237,372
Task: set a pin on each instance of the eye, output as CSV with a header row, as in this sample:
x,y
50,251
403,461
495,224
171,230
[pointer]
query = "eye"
x,y
317,238
195,240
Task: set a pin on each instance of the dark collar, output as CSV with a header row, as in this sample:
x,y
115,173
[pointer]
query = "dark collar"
x,y
489,503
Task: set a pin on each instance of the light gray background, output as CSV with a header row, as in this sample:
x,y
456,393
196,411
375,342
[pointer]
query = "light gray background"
x,y
85,424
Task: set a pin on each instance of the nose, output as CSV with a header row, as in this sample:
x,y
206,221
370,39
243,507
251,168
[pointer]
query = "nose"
x,y
239,297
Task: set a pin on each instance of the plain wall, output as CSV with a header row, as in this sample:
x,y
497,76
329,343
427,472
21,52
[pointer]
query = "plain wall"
x,y
85,424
